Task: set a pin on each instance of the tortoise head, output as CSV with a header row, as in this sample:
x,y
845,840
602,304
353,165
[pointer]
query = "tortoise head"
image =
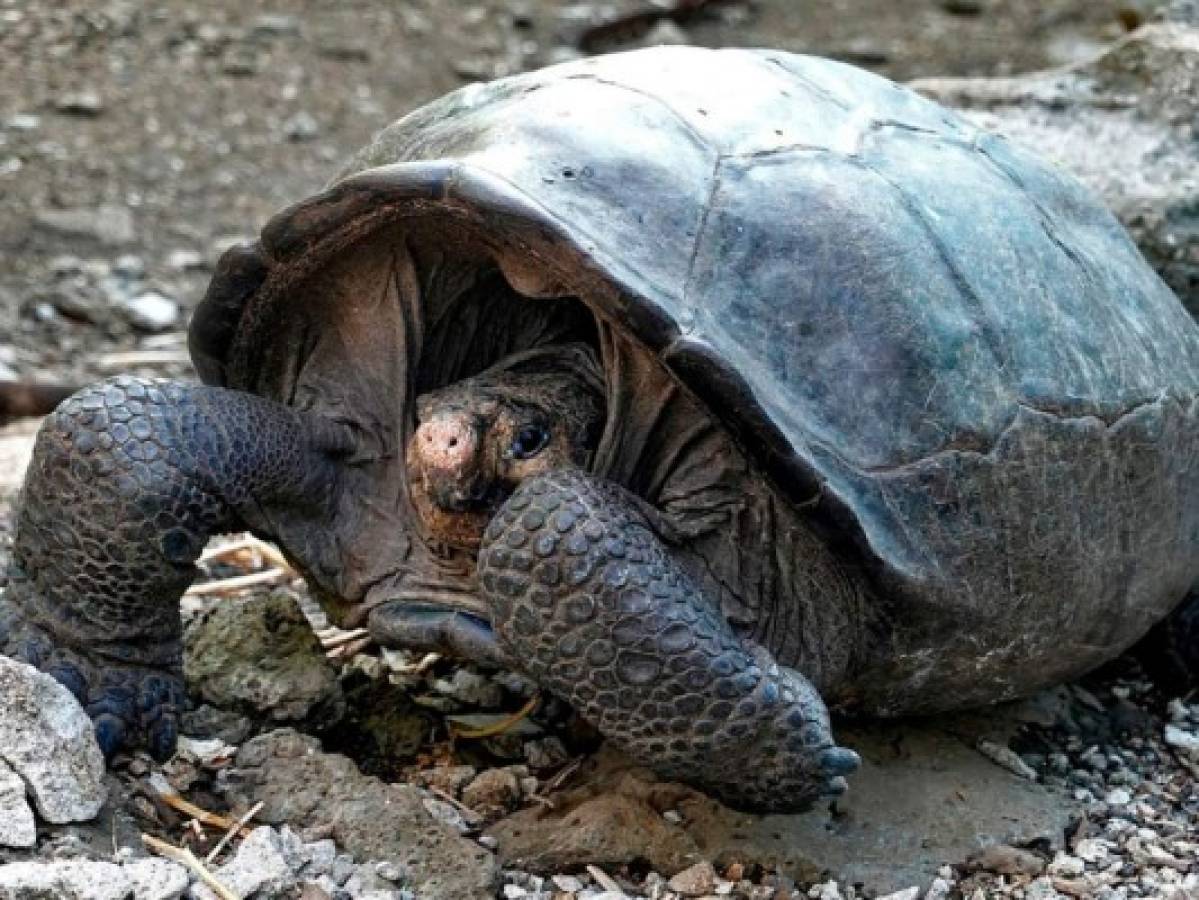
x,y
477,439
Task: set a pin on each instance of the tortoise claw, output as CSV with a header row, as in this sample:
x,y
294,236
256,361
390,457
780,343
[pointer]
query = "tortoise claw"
x,y
839,761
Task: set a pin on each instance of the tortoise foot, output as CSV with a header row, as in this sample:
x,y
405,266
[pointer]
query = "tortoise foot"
x,y
129,479
130,704
591,604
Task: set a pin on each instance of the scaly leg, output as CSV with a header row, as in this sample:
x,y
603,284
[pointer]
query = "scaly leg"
x,y
129,479
589,602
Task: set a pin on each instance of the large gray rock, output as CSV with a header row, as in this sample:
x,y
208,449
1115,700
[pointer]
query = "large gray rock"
x,y
306,788
47,739
64,880
260,657
1126,123
17,825
923,798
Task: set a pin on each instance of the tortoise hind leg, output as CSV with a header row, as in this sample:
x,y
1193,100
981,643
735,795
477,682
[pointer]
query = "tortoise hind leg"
x,y
1170,651
128,480
591,604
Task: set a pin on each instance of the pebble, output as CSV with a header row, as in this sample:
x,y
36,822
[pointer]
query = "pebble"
x,y
695,881
23,122
185,260
1185,742
302,126
665,33
275,24
471,688
151,311
87,103
911,893
1118,797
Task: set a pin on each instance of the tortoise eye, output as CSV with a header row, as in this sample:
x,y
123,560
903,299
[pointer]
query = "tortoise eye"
x,y
530,441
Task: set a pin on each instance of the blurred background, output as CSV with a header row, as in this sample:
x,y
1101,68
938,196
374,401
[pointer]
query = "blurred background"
x,y
137,140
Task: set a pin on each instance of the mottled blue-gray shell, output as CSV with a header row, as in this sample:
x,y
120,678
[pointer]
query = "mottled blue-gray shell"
x,y
942,346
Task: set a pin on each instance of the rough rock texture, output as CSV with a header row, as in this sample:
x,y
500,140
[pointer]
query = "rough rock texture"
x,y
65,880
47,739
302,786
922,797
1124,123
156,879
259,656
613,818
264,866
17,825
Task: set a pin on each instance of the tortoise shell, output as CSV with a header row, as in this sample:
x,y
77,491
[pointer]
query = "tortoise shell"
x,y
941,348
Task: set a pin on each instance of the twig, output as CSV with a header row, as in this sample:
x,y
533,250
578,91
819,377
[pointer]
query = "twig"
x,y
187,858
558,780
472,816
497,727
335,637
201,815
237,583
424,664
249,542
233,830
350,650
114,362
604,880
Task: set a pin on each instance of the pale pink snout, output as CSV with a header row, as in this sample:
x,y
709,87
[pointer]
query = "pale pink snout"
x,y
447,442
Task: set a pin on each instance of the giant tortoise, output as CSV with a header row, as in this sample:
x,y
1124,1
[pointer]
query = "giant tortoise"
x,y
709,389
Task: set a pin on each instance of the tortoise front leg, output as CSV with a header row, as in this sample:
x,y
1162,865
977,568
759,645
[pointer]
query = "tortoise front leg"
x,y
129,479
591,604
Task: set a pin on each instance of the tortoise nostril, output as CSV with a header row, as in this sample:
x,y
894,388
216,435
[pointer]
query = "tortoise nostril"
x,y
453,442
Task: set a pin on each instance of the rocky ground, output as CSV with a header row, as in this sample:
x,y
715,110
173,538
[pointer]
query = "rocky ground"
x,y
136,142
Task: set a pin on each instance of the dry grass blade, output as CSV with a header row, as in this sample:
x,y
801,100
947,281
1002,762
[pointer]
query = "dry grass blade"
x,y
237,583
499,727
186,857
237,826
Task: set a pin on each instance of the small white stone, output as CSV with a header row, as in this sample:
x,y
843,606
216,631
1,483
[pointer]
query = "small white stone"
x,y
1185,742
151,311
673,817
1066,866
906,894
567,883
698,880
938,890
1118,797
184,260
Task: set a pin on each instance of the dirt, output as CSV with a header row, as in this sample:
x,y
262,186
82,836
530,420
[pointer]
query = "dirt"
x,y
193,123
